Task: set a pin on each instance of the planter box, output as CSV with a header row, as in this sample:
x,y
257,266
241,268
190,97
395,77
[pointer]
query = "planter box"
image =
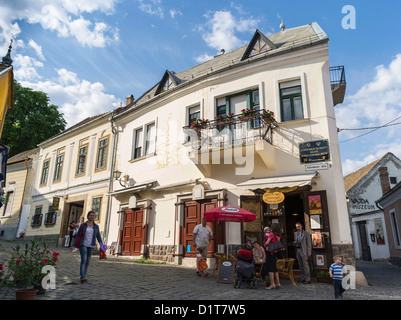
x,y
325,280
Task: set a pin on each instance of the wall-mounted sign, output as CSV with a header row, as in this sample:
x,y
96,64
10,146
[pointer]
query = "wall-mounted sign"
x,y
56,203
315,204
273,197
314,167
314,151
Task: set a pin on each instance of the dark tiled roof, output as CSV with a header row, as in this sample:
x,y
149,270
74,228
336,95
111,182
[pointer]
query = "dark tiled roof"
x,y
22,155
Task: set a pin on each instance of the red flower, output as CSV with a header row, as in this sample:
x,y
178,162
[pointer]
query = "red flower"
x,y
1,267
55,254
55,258
41,263
47,251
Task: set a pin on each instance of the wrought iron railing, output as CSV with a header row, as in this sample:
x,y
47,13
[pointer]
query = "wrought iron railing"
x,y
337,75
232,131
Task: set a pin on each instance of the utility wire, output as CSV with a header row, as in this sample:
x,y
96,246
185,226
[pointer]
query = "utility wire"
x,y
388,124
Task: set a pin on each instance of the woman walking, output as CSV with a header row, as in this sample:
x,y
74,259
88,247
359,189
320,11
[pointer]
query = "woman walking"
x,y
271,258
87,234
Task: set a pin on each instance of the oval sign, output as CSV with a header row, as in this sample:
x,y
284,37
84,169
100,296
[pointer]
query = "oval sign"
x,y
226,264
273,197
230,209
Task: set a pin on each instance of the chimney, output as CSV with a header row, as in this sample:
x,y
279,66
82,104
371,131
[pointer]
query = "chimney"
x,y
129,100
384,180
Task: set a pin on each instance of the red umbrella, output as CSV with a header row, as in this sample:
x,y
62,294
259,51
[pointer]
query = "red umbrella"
x,y
228,213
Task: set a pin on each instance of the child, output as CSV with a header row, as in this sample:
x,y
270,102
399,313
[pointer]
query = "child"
x,y
336,273
200,263
102,251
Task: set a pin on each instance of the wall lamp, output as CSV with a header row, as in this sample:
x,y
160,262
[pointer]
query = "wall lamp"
x,y
123,182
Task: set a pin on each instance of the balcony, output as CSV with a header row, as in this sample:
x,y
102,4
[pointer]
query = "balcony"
x,y
229,136
338,84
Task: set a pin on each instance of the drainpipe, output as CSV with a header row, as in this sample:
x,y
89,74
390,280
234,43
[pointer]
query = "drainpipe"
x,y
23,197
108,210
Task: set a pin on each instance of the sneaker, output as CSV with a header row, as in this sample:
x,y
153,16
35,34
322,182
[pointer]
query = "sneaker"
x,y
76,249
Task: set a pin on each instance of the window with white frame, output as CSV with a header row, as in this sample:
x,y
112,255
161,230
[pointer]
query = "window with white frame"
x,y
58,167
101,160
396,229
291,100
150,143
45,172
138,143
82,153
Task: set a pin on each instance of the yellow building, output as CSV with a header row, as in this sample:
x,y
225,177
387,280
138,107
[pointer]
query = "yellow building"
x,y
72,179
21,173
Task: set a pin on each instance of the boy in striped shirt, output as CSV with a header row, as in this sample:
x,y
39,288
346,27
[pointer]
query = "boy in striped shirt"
x,y
336,273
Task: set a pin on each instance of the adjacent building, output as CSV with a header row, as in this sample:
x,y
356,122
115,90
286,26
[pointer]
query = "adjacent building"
x,y
18,190
232,131
72,178
364,187
390,203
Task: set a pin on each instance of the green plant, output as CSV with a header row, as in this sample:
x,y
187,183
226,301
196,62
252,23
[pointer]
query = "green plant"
x,y
323,274
248,112
198,124
25,266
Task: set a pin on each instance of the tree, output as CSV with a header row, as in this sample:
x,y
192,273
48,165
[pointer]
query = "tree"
x,y
31,121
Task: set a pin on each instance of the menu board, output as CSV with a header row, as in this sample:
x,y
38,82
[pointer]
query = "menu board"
x,y
226,271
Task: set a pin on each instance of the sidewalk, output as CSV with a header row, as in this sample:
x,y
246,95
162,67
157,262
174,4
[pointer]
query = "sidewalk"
x,y
120,278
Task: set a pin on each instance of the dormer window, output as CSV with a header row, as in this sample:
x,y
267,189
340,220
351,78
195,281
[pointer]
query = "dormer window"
x,y
259,47
168,84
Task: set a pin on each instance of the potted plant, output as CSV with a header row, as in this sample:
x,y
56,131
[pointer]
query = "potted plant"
x,y
268,116
248,114
48,259
324,276
226,119
25,267
199,124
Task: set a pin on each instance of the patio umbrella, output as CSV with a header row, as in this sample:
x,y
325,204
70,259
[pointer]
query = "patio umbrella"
x,y
228,213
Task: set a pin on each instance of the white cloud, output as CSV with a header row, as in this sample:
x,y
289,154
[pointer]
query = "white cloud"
x,y
174,13
37,48
152,7
61,16
77,98
220,31
25,68
203,57
374,104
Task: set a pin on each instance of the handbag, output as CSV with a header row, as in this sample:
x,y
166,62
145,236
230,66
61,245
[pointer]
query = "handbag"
x,y
275,246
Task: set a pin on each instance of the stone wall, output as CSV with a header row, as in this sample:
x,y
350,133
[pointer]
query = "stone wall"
x,y
346,251
161,252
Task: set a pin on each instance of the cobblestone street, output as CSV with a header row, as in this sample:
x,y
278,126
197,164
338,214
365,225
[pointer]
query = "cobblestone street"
x,y
119,278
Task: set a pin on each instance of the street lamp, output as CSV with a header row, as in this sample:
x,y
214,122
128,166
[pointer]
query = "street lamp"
x,y
117,175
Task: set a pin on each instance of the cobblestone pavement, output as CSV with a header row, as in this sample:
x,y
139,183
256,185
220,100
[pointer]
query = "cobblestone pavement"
x,y
119,278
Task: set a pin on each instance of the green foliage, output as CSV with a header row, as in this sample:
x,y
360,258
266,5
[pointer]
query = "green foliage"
x,y
31,121
323,274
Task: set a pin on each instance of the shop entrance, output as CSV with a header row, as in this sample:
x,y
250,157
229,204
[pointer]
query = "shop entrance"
x,y
294,212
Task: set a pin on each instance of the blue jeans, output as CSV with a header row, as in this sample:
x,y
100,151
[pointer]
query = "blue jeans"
x,y
86,253
338,288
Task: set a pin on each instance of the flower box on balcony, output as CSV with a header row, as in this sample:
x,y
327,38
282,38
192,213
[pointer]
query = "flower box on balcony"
x,y
268,116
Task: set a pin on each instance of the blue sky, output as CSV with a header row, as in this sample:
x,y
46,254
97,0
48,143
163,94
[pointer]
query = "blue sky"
x,y
89,55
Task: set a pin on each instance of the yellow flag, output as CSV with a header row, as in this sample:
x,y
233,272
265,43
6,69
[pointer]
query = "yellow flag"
x,y
6,94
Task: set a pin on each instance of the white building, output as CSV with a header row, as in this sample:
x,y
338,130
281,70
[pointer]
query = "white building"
x,y
167,180
363,188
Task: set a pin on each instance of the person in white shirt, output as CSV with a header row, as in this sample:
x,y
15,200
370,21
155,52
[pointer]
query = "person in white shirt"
x,y
202,235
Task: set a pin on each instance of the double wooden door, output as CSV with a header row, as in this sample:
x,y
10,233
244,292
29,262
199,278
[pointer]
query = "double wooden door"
x,y
134,233
193,214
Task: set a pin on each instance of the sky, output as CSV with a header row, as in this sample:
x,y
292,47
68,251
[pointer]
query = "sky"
x,y
89,55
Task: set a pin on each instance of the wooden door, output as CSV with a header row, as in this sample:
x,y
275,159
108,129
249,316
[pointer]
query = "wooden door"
x,y
216,227
366,256
133,233
193,214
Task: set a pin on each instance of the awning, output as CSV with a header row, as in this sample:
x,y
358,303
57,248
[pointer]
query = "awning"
x,y
298,180
137,187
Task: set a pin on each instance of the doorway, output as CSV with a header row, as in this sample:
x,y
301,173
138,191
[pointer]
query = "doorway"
x,y
134,233
363,240
193,214
294,212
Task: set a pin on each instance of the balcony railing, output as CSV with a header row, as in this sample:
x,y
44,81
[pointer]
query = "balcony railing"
x,y
231,131
338,84
337,75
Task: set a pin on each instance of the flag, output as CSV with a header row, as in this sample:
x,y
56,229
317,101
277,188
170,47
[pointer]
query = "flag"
x,y
6,93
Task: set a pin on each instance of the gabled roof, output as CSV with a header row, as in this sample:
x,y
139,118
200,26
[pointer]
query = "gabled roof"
x,y
22,156
169,76
353,178
264,43
282,42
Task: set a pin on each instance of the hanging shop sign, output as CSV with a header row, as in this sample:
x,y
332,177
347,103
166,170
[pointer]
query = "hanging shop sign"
x,y
314,151
55,204
273,197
